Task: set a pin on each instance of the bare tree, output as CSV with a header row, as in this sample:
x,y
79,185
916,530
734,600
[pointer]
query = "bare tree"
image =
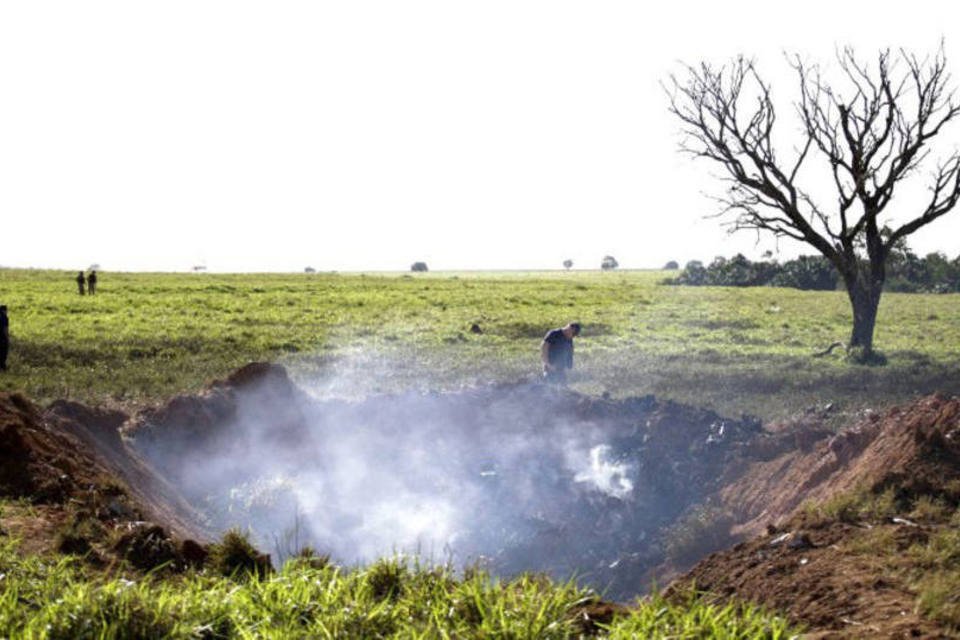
x,y
869,130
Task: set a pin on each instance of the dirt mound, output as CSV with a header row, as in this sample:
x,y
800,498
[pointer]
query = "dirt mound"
x,y
818,578
40,462
71,462
915,449
206,424
834,567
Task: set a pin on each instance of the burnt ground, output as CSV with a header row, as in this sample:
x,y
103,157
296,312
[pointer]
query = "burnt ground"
x,y
674,484
519,454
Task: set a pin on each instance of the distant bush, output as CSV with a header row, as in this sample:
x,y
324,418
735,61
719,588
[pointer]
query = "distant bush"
x,y
673,265
807,272
905,273
419,267
609,263
567,264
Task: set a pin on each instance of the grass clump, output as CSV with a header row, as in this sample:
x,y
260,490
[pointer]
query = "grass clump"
x,y
234,556
939,598
696,617
856,506
385,579
308,557
78,533
931,509
938,577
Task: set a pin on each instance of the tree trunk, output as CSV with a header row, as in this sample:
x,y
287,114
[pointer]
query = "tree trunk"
x,y
864,293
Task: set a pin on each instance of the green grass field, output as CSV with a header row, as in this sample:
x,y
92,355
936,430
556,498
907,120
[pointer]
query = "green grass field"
x,y
145,337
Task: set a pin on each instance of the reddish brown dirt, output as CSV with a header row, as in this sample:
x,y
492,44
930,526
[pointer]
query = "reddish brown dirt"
x,y
40,460
834,588
74,478
837,585
914,449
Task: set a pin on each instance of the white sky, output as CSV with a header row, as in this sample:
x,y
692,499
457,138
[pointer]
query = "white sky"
x,y
360,135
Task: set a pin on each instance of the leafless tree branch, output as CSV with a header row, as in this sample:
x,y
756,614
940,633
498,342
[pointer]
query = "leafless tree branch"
x,y
872,128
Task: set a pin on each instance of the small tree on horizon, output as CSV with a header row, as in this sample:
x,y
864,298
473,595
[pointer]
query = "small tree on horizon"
x,y
871,128
419,267
609,263
568,264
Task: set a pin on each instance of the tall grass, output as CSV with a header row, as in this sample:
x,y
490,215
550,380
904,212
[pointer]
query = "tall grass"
x,y
390,599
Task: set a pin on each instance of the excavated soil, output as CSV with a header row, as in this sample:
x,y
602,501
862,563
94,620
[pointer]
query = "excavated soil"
x,y
669,485
823,572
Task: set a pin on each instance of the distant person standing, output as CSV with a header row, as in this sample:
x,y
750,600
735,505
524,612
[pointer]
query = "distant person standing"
x,y
81,281
4,337
556,352
92,282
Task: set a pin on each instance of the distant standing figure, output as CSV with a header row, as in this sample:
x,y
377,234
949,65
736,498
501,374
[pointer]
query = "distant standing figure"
x,y
556,352
4,337
80,282
92,282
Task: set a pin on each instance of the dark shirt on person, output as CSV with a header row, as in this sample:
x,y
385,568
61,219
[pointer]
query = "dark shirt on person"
x,y
560,354
4,339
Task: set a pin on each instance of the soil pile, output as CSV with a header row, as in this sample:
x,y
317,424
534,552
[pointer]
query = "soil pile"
x,y
205,426
39,461
83,482
914,450
841,568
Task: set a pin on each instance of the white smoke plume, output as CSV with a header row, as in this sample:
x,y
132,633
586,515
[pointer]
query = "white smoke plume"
x,y
521,477
606,475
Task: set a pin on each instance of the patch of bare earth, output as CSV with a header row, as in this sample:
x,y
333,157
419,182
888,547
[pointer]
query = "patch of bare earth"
x,y
71,484
842,575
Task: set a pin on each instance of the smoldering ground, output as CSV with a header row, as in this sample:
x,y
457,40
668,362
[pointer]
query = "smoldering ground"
x,y
519,477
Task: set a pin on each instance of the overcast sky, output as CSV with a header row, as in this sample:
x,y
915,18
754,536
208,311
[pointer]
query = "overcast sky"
x,y
355,135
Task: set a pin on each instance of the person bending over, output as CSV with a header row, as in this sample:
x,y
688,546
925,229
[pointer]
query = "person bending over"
x,y
556,352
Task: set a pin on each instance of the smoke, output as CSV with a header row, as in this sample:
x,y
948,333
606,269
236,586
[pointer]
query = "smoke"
x,y
606,475
521,477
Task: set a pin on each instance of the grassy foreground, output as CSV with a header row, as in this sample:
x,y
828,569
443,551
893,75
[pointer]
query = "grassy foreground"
x,y
147,336
389,599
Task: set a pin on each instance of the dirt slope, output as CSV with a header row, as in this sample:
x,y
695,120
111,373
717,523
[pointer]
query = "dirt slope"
x,y
844,574
84,486
915,449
